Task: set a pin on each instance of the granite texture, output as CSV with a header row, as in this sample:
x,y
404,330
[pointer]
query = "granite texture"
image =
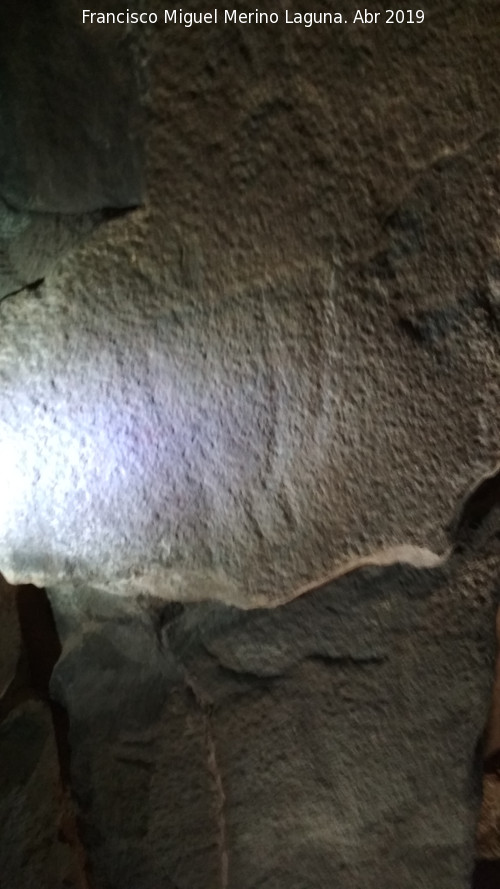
x,y
249,441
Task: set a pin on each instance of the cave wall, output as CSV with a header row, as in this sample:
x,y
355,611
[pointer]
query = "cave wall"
x,y
332,741
286,361
249,377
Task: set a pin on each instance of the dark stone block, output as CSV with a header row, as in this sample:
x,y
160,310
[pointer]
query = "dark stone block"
x,y
69,127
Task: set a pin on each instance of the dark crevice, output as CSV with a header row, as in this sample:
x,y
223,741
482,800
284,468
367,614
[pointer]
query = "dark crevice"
x,y
163,616
205,706
262,680
478,504
332,660
103,212
32,285
492,764
109,213
486,875
42,651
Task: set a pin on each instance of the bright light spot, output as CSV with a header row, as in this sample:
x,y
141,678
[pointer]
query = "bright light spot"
x,y
14,478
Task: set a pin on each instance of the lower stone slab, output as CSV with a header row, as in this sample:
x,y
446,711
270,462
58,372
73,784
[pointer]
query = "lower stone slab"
x,y
333,741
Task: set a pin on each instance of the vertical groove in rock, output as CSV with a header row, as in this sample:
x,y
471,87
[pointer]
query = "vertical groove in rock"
x,y
215,774
43,649
214,770
479,502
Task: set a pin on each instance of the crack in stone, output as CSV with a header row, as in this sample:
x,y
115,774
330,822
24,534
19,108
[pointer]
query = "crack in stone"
x,y
206,707
478,503
30,286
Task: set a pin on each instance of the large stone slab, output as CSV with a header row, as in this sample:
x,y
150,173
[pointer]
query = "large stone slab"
x,y
334,740
288,361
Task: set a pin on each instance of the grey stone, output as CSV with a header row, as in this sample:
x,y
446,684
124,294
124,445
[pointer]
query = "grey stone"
x,y
223,398
70,134
329,741
283,367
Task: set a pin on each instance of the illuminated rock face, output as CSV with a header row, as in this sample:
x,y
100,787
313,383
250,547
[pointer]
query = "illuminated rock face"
x,y
282,366
287,360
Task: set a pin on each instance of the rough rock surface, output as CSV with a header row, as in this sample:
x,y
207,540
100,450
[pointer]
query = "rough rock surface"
x,y
284,365
332,741
288,359
30,244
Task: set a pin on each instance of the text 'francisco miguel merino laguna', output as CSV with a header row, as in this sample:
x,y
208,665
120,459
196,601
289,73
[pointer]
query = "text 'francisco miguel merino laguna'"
x,y
233,16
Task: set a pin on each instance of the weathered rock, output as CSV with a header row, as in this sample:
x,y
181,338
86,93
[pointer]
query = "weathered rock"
x,y
285,364
31,243
146,800
330,741
255,381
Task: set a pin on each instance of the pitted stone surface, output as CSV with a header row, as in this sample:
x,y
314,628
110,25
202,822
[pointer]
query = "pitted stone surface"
x,y
288,360
334,740
283,365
